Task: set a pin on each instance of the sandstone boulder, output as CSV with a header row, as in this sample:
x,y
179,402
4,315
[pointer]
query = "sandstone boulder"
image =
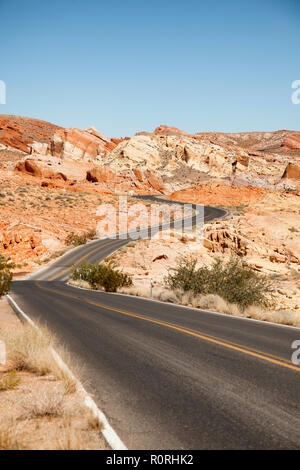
x,y
100,175
292,171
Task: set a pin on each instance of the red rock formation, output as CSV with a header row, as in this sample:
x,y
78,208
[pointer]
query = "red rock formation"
x,y
100,175
22,240
33,136
37,169
155,181
166,130
246,140
19,132
292,171
292,141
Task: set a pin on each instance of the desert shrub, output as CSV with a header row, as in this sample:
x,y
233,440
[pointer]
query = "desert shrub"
x,y
9,381
75,239
233,280
101,275
5,275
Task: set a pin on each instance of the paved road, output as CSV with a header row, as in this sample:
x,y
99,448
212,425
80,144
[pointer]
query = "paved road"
x,y
169,377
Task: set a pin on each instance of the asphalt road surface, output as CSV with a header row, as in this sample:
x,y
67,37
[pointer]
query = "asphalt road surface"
x,y
169,377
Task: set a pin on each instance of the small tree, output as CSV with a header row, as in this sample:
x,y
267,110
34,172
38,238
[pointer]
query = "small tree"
x,y
5,275
76,239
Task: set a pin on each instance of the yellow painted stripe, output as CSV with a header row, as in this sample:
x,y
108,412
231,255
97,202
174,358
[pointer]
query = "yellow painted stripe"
x,y
78,261
83,257
213,339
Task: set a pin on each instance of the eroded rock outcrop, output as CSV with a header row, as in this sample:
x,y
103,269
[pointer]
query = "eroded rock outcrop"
x,y
127,179
292,171
292,141
166,154
36,137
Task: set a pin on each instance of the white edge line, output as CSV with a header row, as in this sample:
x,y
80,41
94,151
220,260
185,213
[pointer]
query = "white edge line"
x,y
108,432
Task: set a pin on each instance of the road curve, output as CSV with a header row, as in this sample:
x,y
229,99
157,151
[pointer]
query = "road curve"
x,y
169,377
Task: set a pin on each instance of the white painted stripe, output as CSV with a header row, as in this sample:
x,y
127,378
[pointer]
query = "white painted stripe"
x,y
108,432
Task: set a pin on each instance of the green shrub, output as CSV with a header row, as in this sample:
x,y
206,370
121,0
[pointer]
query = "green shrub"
x,y
76,239
5,275
101,275
233,280
9,381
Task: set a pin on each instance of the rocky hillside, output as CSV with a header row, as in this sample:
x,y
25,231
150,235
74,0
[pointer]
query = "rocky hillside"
x,y
189,159
52,179
249,141
62,158
32,136
163,161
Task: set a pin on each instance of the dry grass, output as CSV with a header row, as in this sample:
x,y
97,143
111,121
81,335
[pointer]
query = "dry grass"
x,y
70,439
70,382
8,438
215,303
41,407
31,350
45,405
93,422
79,283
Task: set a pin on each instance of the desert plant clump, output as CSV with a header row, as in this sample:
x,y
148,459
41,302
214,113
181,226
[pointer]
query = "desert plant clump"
x,y
8,439
76,239
30,349
101,276
232,280
6,275
48,405
9,381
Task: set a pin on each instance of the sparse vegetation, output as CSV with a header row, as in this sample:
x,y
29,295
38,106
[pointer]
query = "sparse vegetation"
x,y
8,440
38,412
70,439
93,422
46,405
9,381
79,239
213,302
31,351
232,280
101,276
6,267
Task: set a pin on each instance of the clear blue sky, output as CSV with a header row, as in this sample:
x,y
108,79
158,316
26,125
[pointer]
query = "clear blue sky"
x,y
126,66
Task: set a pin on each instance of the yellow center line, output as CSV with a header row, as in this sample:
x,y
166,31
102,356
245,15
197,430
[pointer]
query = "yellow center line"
x,y
80,259
213,339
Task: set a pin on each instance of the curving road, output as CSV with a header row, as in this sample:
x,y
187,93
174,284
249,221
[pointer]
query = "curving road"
x,y
169,377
